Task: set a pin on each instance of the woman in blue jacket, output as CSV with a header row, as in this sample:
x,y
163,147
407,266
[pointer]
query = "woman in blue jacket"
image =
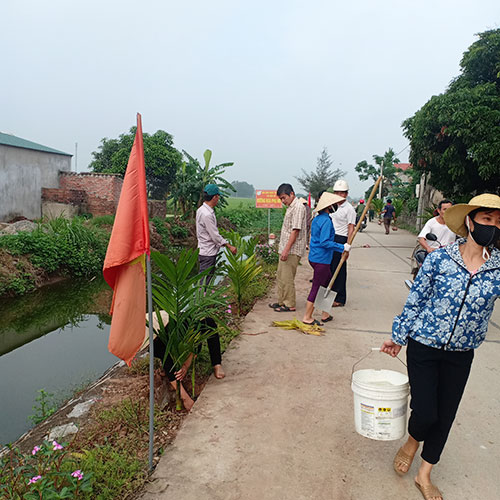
x,y
444,319
321,249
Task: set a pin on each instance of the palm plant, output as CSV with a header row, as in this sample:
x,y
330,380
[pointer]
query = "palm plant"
x,y
378,205
181,292
241,271
398,204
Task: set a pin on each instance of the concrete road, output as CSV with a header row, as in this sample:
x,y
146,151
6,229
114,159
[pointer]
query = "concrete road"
x,y
280,425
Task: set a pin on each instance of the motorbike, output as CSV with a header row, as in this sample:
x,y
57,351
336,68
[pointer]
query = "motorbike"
x,y
363,224
418,256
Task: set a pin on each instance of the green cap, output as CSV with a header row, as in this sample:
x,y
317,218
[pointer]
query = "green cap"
x,y
211,189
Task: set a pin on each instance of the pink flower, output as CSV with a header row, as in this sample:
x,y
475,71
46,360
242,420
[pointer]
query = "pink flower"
x,y
56,446
78,474
229,311
34,479
35,450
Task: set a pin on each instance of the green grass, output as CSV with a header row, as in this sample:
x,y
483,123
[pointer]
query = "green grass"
x,y
240,203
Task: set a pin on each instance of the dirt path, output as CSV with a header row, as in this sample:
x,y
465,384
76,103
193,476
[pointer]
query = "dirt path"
x,y
280,426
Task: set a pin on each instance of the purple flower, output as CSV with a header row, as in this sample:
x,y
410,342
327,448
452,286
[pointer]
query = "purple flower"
x,y
56,446
35,450
34,479
78,474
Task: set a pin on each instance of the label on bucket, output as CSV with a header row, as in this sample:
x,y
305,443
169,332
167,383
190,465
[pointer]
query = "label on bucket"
x,y
378,421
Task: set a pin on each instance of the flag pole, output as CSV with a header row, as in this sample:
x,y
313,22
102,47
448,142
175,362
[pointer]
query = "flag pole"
x,y
151,363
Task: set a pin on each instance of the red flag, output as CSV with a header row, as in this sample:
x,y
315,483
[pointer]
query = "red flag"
x,y
309,199
124,263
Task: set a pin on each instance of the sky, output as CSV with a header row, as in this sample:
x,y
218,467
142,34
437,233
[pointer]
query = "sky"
x,y
265,84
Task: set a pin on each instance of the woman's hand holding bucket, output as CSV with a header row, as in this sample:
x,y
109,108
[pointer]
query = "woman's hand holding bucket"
x,y
391,348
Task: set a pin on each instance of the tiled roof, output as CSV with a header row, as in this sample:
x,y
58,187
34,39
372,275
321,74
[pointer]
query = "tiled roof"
x,y
403,166
17,142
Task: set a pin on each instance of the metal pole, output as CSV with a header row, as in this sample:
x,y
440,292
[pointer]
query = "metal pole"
x,y
151,363
382,180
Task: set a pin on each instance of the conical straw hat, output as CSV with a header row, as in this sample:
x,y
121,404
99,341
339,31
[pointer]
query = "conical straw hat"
x,y
327,199
455,215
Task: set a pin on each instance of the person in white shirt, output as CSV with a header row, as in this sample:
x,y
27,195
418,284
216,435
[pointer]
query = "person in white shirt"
x,y
437,226
209,243
344,222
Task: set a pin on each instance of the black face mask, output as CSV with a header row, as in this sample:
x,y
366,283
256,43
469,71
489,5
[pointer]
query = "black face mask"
x,y
485,235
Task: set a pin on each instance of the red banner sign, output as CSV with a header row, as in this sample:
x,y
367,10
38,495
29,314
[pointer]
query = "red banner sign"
x,y
267,199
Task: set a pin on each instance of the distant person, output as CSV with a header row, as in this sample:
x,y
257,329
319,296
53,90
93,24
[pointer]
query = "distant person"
x,y
293,241
437,226
209,243
388,213
360,208
321,253
344,222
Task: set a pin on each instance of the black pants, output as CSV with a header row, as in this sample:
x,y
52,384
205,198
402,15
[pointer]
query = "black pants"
x,y
339,285
207,262
437,383
213,343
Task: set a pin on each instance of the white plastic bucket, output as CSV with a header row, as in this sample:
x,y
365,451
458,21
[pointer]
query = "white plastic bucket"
x,y
380,403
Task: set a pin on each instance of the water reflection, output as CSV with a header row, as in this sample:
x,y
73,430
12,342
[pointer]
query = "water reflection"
x,y
55,339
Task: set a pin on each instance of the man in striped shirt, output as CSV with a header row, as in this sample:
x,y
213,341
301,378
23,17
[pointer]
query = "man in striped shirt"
x,y
293,241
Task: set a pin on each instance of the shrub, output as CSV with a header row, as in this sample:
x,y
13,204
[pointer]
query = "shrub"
x,y
267,253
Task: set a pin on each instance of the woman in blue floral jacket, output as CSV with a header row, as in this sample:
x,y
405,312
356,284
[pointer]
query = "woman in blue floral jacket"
x,y
444,319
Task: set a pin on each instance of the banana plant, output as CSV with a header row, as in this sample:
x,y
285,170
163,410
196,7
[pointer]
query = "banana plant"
x,y
180,291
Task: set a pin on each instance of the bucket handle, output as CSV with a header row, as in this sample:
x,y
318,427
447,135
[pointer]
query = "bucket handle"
x,y
373,349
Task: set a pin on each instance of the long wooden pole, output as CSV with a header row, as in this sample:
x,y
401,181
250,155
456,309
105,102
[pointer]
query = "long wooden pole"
x,y
351,239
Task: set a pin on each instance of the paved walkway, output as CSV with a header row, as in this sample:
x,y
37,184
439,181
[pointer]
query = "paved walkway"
x,y
280,425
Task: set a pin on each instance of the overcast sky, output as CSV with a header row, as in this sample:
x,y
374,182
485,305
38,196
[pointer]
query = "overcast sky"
x,y
266,84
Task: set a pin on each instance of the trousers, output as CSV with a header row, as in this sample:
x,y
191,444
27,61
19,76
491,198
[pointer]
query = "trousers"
x,y
287,269
213,343
437,383
339,285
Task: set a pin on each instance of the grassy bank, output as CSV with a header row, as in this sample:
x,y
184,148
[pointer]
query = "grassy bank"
x,y
59,247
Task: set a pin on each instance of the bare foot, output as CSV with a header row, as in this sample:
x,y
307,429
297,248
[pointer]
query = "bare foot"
x,y
187,402
219,372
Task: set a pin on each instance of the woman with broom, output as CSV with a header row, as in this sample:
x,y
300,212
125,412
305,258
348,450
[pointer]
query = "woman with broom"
x,y
321,249
444,319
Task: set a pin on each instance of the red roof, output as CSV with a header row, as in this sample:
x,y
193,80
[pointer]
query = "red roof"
x,y
403,166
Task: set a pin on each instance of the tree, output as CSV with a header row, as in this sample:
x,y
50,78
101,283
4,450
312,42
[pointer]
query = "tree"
x,y
368,171
323,178
161,158
243,189
455,136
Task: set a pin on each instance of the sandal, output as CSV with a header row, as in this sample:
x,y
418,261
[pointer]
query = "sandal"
x,y
274,306
429,491
314,322
326,320
402,458
338,304
283,309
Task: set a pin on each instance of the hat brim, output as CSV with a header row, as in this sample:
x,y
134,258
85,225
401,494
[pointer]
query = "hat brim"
x,y
454,218
327,200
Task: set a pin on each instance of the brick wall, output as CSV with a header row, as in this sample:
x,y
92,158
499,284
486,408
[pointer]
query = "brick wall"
x,y
97,194
105,186
157,208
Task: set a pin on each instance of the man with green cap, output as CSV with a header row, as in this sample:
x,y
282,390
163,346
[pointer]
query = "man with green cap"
x,y
209,243
209,239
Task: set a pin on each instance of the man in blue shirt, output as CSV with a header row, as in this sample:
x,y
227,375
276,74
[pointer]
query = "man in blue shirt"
x,y
389,212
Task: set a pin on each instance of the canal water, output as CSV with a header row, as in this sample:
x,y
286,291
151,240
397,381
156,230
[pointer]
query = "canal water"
x,y
53,339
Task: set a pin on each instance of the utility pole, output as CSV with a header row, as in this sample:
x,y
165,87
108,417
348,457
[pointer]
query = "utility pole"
x,y
382,180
